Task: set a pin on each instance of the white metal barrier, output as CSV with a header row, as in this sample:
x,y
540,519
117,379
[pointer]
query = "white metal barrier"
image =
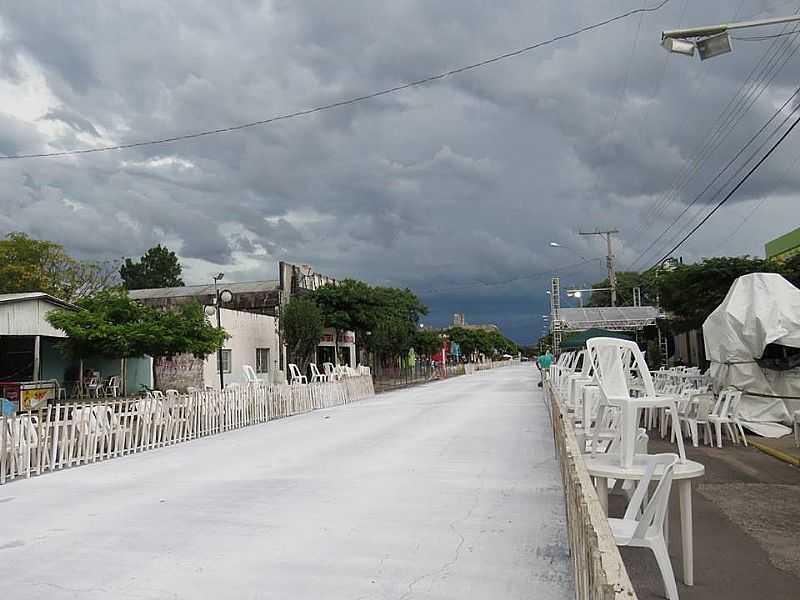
x,y
597,564
70,434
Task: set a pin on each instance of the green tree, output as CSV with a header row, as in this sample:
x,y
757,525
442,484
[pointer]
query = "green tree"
x,y
427,342
302,326
31,265
158,268
691,292
488,343
112,324
390,315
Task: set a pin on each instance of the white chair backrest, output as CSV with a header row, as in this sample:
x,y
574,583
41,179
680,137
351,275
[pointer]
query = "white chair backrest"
x,y
329,370
295,372
586,365
315,371
158,394
652,515
172,394
733,407
703,407
249,374
613,361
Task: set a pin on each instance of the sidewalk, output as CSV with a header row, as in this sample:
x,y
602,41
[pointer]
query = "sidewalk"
x,y
746,529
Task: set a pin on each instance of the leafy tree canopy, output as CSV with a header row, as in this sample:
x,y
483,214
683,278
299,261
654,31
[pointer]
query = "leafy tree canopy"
x,y
383,318
159,267
302,325
426,342
112,324
31,265
489,343
691,292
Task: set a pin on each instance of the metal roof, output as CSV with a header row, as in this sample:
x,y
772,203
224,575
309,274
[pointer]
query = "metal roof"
x,y
26,296
247,287
616,318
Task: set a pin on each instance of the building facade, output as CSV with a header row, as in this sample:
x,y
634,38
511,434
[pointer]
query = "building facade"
x,y
784,246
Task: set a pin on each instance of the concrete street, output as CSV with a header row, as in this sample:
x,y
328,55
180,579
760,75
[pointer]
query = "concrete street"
x,y
448,490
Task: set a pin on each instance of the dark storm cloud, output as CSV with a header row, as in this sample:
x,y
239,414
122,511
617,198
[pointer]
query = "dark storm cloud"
x,y
458,185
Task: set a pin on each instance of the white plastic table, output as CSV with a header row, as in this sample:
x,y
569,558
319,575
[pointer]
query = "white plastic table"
x,y
607,466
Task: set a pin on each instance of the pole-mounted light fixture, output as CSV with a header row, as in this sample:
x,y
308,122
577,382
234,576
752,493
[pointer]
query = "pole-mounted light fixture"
x,y
711,40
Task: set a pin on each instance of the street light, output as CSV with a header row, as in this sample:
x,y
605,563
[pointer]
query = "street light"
x,y
711,40
576,294
557,245
220,296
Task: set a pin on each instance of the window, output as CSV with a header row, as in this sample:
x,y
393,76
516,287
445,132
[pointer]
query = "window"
x,y
226,361
262,360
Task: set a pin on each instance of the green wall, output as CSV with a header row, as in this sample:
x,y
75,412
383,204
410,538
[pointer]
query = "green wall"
x,y
784,246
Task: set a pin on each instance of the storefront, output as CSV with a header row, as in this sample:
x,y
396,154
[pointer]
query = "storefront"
x,y
326,349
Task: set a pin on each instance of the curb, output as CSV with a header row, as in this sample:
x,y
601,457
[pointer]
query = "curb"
x,y
775,453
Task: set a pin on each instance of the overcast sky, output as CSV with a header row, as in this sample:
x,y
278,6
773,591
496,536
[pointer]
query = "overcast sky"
x,y
453,189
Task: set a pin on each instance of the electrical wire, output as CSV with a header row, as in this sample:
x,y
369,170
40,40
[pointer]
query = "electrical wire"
x,y
559,269
760,38
729,194
347,102
741,151
724,124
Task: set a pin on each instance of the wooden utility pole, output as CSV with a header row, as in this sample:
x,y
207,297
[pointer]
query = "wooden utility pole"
x,y
612,273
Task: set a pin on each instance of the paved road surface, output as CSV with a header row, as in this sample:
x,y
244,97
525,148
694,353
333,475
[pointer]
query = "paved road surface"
x,y
448,490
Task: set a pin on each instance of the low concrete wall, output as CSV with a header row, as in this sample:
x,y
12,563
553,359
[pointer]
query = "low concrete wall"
x,y
598,568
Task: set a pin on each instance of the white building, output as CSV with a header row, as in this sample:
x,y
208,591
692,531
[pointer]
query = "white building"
x,y
253,341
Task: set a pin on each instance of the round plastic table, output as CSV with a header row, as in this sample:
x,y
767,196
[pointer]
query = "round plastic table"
x,y
607,466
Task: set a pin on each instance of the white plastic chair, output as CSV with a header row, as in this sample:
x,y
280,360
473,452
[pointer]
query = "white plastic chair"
x,y
93,387
796,417
297,377
613,359
725,413
643,525
172,394
700,409
316,376
112,387
250,376
330,372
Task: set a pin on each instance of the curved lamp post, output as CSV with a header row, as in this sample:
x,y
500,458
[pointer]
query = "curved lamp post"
x,y
220,297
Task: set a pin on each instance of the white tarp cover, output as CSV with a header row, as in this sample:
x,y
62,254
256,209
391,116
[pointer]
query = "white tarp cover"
x,y
760,309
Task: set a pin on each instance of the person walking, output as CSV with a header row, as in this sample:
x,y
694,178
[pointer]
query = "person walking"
x,y
544,362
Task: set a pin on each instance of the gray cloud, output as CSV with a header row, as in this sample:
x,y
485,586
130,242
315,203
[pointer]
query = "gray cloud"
x,y
457,186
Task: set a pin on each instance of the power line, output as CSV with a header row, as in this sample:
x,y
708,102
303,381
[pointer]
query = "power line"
x,y
738,171
754,210
513,280
347,102
742,109
760,38
725,123
729,194
752,139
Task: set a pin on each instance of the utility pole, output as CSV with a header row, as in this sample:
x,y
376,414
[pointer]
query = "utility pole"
x,y
612,273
